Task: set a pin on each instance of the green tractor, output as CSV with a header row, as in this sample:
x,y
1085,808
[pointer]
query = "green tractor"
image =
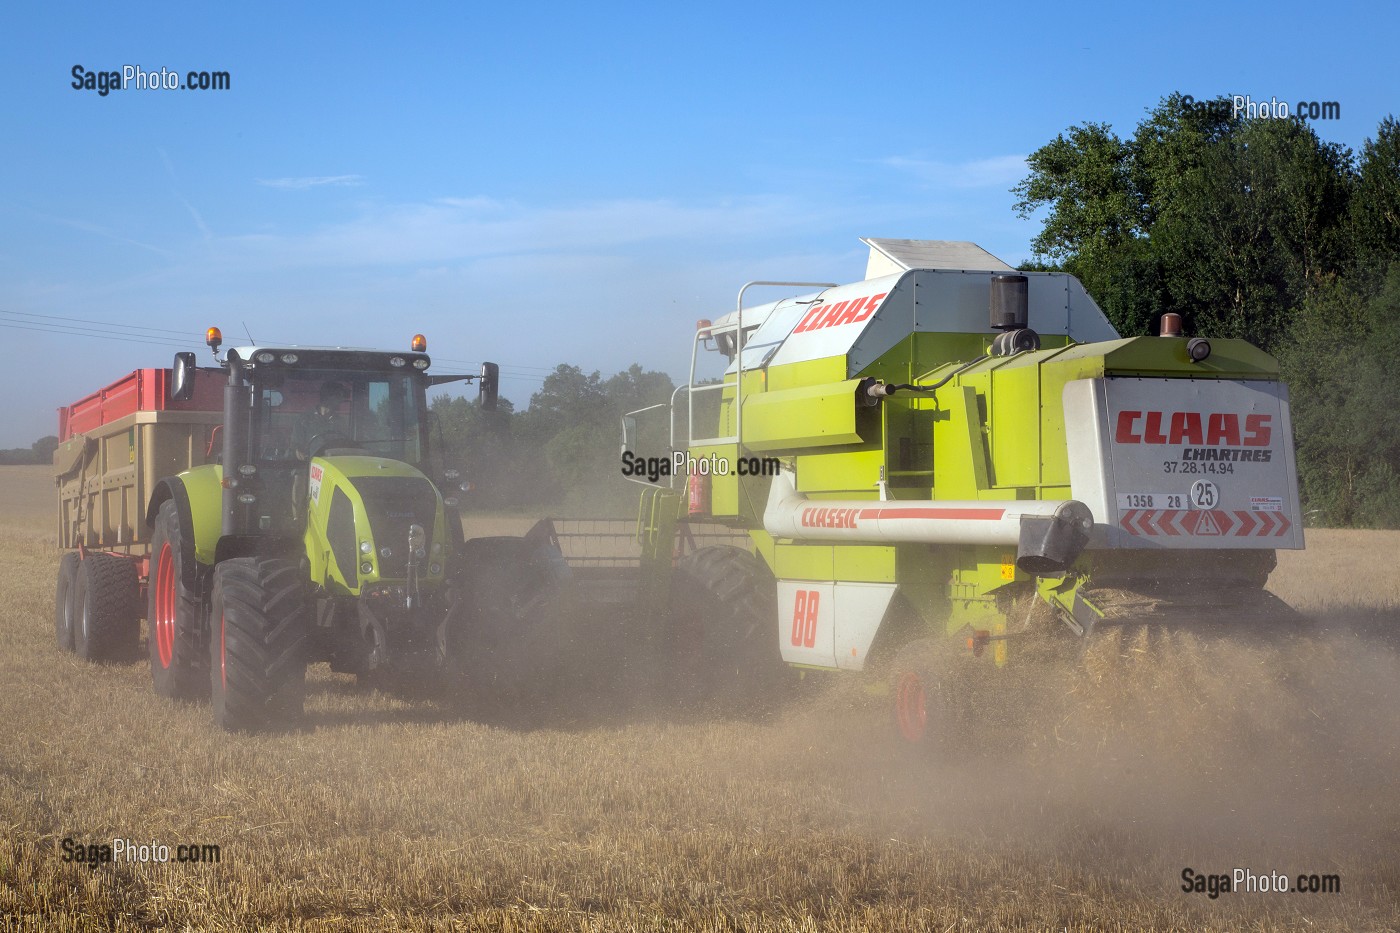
x,y
320,534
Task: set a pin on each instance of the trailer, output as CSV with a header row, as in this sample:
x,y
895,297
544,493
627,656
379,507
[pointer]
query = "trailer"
x,y
115,446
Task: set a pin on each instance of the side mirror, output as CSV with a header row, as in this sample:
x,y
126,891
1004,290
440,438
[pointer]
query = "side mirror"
x,y
487,387
182,377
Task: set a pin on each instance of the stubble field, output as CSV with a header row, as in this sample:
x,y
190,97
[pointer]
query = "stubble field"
x,y
1272,757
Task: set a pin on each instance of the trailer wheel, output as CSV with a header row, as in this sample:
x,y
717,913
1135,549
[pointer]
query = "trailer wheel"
x,y
723,639
258,643
174,615
63,600
106,621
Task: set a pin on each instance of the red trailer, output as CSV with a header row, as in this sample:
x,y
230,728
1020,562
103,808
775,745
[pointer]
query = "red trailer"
x,y
114,446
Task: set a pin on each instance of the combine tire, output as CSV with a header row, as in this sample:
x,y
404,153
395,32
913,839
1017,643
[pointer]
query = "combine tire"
x,y
258,643
173,614
937,692
502,641
723,646
106,621
63,600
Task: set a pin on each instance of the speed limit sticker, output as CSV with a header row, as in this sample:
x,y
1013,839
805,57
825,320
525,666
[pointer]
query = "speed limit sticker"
x,y
1204,495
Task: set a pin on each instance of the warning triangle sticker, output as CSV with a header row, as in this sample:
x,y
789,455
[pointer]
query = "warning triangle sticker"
x,y
1207,525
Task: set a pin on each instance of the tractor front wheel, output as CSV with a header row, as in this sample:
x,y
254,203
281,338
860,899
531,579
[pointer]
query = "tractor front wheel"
x,y
258,643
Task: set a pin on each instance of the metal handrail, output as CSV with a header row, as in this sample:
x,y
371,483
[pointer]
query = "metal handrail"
x,y
737,438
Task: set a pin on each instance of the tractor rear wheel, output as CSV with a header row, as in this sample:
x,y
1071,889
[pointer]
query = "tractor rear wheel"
x,y
258,643
106,620
63,600
174,615
723,637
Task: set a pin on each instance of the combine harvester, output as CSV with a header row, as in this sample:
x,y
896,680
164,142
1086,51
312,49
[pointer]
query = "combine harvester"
x,y
925,460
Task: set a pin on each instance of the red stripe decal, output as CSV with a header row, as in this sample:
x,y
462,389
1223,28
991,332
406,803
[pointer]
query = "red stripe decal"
x,y
986,515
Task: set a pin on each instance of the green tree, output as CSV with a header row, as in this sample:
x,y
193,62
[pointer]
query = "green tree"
x,y
1339,365
1229,222
1375,206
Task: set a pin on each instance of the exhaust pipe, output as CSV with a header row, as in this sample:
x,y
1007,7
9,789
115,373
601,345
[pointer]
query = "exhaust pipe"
x,y
1048,534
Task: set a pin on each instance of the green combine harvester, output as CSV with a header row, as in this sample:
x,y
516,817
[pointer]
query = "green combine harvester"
x,y
921,459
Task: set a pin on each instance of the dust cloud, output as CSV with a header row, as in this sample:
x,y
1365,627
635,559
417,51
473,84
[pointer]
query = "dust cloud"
x,y
1210,749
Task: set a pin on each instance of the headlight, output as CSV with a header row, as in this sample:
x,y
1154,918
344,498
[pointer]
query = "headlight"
x,y
366,547
396,361
366,568
289,358
420,364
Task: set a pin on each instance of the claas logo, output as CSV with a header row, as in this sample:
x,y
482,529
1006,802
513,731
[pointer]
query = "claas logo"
x,y
1219,429
842,312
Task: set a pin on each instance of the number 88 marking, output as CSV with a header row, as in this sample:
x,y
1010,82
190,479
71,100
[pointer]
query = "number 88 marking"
x,y
804,618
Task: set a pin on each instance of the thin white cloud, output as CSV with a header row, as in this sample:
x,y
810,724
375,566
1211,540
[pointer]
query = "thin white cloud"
x,y
997,171
98,230
463,229
175,189
312,181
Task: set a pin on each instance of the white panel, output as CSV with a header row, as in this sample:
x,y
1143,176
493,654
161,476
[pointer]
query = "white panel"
x,y
952,301
830,327
1197,463
806,622
888,255
860,607
863,321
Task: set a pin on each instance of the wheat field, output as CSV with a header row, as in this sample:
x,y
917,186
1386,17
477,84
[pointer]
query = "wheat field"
x,y
389,814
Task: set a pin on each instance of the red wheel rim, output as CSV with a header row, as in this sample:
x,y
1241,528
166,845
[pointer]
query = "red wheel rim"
x,y
164,622
911,713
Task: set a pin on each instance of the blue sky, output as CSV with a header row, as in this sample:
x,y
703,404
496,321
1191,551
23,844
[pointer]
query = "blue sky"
x,y
558,183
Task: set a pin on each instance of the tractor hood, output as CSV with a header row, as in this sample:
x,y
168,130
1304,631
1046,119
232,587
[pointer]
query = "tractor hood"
x,y
362,512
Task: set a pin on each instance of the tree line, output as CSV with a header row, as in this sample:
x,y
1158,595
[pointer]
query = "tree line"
x,y
41,451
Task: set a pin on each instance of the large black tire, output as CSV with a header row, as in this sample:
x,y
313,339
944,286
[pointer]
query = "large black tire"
x,y
63,600
174,615
258,647
502,639
722,648
106,618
